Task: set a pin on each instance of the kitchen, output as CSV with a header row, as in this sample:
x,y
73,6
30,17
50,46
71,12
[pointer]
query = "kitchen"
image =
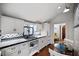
x,y
25,29
20,37
17,41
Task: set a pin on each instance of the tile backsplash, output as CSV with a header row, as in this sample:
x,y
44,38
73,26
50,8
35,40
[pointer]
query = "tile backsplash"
x,y
11,35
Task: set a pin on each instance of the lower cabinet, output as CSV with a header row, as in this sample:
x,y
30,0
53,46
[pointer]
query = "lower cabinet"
x,y
10,51
0,53
42,42
17,50
24,49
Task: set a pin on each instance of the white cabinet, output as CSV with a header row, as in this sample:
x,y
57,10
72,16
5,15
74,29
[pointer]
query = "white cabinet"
x,y
11,25
18,25
10,51
42,42
38,27
17,50
23,49
46,41
7,25
0,53
46,28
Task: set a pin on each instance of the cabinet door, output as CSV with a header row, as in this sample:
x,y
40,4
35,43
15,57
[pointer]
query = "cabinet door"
x,y
17,50
18,25
45,41
48,40
10,51
23,49
7,25
41,43
0,53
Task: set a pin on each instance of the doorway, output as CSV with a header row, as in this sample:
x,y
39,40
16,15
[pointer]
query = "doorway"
x,y
59,32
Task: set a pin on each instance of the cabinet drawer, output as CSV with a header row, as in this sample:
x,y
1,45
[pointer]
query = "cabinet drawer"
x,y
24,45
9,51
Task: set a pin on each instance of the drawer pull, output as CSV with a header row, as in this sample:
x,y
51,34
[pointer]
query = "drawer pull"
x,y
24,44
19,52
42,41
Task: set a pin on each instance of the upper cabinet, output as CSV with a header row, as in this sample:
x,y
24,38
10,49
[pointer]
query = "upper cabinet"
x,y
11,25
76,21
39,27
7,25
46,28
18,26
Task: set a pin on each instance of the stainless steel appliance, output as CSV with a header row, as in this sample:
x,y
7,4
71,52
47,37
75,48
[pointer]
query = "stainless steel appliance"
x,y
28,31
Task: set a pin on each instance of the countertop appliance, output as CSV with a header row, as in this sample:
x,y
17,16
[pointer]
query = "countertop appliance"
x,y
28,31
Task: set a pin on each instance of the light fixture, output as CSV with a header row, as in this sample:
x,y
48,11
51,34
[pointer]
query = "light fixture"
x,y
59,7
66,10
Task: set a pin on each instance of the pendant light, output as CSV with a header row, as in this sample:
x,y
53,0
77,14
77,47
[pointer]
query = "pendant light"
x,y
66,9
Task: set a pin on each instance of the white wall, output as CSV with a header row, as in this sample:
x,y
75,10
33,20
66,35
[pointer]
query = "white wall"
x,y
65,18
0,23
76,30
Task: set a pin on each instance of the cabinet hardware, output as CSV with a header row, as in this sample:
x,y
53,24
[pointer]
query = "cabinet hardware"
x,y
42,41
24,44
19,52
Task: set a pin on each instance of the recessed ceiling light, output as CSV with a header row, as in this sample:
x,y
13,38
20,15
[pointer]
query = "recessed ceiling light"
x,y
59,7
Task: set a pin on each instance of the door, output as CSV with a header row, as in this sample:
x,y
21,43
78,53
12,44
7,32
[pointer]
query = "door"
x,y
63,32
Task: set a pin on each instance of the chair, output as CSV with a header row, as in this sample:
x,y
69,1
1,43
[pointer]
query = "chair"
x,y
54,53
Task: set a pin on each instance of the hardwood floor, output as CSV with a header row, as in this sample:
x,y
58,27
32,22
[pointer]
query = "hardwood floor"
x,y
44,51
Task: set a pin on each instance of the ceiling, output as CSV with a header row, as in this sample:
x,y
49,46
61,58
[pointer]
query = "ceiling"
x,y
36,12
